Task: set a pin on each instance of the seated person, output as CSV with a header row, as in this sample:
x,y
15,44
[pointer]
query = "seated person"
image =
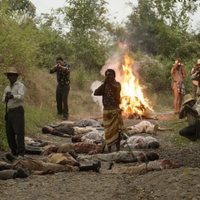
x,y
191,110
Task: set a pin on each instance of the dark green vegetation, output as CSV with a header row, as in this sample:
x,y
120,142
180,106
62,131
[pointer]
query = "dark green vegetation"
x,y
156,32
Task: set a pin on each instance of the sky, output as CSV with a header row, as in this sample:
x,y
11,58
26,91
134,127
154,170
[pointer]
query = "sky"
x,y
118,9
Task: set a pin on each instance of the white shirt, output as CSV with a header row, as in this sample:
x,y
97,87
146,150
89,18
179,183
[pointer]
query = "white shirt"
x,y
18,91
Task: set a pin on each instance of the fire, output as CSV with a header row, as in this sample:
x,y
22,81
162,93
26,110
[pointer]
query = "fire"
x,y
133,102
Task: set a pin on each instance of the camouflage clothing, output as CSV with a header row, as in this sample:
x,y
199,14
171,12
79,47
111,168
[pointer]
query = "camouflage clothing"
x,y
111,95
63,87
63,74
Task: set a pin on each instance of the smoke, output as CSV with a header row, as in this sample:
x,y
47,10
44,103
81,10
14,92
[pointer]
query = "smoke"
x,y
96,99
114,62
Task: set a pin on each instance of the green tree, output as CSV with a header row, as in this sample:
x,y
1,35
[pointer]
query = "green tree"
x,y
20,6
87,24
159,26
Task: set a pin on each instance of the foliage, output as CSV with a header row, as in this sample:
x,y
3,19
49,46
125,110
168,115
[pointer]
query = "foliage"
x,y
159,27
19,6
87,21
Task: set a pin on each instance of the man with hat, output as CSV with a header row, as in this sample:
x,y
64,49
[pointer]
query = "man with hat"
x,y
191,110
194,73
13,97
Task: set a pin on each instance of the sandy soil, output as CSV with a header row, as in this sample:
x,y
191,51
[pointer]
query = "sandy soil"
x,y
174,184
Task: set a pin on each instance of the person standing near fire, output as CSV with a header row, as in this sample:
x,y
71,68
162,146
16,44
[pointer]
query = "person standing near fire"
x,y
178,74
112,117
62,91
13,97
194,71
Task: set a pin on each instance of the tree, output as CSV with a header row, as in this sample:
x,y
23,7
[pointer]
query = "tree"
x,y
87,22
159,26
20,6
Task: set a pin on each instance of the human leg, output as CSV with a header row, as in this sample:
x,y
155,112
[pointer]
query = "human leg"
x,y
59,100
176,98
189,132
118,145
11,134
194,91
65,94
18,126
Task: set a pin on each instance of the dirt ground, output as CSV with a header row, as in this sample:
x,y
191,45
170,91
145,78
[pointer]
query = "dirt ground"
x,y
174,184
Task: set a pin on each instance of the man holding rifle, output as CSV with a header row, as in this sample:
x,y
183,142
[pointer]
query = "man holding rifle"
x,y
62,71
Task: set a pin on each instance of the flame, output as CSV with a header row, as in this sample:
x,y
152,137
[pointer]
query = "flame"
x,y
133,102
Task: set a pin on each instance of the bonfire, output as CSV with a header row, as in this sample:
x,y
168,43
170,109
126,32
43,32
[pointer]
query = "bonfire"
x,y
133,102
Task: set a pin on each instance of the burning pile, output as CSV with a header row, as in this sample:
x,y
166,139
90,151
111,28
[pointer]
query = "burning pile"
x,y
133,103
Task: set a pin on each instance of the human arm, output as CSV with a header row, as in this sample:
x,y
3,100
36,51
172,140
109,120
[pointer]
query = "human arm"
x,y
182,113
7,95
19,95
188,109
53,70
100,90
183,71
174,67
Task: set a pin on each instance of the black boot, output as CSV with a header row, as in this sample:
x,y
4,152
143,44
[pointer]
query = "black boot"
x,y
110,165
10,157
21,173
73,154
95,167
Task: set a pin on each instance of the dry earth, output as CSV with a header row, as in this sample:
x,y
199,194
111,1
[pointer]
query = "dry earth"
x,y
174,184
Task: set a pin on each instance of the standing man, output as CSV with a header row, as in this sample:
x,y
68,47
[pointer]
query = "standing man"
x,y
194,71
14,98
62,91
112,119
178,74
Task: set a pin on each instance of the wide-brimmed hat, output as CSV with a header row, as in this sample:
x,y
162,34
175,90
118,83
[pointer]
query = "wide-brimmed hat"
x,y
11,70
198,62
187,98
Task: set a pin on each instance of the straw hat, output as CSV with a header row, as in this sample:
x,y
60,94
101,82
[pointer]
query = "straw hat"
x,y
198,62
188,98
11,70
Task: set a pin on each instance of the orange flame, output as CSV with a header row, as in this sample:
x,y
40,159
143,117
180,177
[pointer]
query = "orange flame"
x,y
133,102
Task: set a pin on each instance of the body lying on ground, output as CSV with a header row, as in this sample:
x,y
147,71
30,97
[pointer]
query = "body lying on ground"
x,y
65,129
57,162
140,142
121,156
143,127
144,167
80,147
94,136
